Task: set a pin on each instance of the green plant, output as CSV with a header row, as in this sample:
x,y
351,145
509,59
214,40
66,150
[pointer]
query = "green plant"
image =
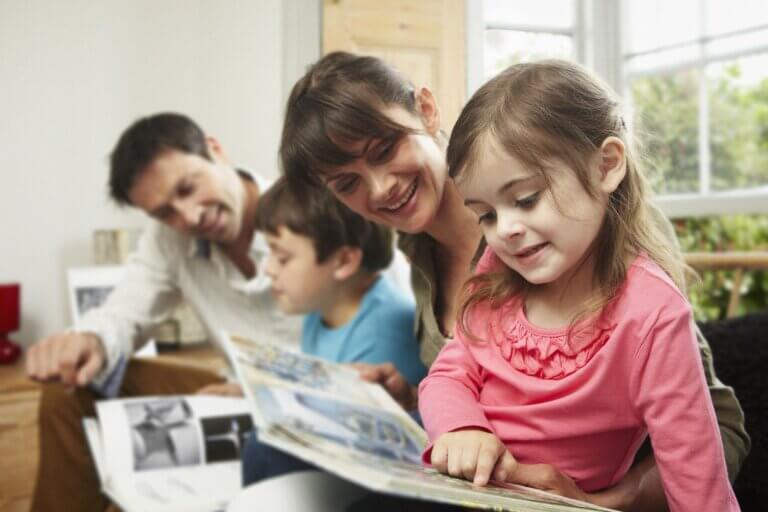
x,y
710,296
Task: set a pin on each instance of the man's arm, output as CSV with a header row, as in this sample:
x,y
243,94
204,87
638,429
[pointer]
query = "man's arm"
x,y
100,344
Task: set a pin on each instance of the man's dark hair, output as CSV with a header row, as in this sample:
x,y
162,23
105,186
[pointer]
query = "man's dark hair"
x,y
315,213
143,141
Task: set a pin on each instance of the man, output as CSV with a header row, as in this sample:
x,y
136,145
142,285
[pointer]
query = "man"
x,y
202,248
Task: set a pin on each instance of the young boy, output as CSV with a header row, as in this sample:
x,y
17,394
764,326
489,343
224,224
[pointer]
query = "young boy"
x,y
325,262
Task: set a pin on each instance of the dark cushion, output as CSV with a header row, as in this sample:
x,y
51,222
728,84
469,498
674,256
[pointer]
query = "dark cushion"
x,y
740,350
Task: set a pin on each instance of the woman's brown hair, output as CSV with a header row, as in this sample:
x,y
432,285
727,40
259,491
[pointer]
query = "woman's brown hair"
x,y
337,102
556,110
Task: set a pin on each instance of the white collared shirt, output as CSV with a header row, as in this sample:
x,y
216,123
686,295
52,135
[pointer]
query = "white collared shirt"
x,y
168,266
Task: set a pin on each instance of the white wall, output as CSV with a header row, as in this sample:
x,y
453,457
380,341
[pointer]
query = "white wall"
x,y
74,74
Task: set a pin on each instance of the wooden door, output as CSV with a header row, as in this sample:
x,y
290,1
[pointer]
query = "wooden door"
x,y
425,39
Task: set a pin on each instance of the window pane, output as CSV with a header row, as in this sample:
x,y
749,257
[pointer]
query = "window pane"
x,y
736,43
738,111
545,13
506,47
656,23
728,16
689,54
666,121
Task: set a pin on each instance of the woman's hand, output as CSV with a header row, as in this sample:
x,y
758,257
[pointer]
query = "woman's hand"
x,y
475,455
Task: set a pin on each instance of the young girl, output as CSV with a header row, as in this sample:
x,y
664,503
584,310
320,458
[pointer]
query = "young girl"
x,y
574,341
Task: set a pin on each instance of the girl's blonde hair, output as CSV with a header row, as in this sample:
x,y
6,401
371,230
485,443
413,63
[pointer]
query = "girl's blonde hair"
x,y
549,110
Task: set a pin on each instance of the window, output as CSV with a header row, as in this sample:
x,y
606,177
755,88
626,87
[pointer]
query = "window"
x,y
503,32
696,74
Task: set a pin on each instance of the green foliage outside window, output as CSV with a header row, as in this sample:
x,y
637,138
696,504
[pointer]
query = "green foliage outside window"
x,y
667,122
711,294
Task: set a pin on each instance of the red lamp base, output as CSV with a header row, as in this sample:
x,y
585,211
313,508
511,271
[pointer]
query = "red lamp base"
x,y
9,351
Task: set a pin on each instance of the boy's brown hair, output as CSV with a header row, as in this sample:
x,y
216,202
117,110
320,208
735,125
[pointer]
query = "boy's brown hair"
x,y
315,213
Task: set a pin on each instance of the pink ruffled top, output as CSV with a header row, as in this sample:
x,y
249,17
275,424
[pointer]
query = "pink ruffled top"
x,y
585,402
546,353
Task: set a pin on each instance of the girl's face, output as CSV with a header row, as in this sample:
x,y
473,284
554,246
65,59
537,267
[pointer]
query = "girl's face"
x,y
541,233
399,184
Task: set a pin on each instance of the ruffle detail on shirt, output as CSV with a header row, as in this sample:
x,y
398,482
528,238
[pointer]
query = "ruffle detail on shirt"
x,y
547,356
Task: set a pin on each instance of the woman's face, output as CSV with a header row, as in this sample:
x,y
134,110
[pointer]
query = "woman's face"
x,y
397,184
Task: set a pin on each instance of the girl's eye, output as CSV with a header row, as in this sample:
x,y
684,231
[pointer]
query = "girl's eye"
x,y
346,185
528,202
487,217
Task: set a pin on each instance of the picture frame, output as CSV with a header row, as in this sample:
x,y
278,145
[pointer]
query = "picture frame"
x,y
89,287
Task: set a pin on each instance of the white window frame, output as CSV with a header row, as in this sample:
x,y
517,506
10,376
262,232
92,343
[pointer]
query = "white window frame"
x,y
476,27
705,202
595,37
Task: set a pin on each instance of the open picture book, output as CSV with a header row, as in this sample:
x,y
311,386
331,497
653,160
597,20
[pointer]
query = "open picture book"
x,y
325,414
169,453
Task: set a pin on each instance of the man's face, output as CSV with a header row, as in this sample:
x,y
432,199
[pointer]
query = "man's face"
x,y
194,196
299,283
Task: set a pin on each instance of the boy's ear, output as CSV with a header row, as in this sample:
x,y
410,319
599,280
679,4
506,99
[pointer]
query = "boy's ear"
x,y
216,150
427,106
612,164
347,262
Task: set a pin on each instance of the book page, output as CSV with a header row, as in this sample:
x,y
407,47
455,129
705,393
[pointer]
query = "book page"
x,y
173,452
321,413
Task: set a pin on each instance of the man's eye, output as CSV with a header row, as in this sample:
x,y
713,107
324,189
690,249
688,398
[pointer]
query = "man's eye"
x,y
528,202
487,217
185,189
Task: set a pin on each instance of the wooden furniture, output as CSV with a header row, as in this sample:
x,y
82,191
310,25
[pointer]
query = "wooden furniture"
x,y
18,437
19,398
738,262
424,40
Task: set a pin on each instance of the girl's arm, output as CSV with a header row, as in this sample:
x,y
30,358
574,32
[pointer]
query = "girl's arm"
x,y
462,442
670,393
449,395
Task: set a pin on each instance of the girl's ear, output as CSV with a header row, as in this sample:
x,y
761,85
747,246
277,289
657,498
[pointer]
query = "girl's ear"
x,y
347,261
427,106
612,164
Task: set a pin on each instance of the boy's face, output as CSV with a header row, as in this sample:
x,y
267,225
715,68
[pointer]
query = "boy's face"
x,y
299,283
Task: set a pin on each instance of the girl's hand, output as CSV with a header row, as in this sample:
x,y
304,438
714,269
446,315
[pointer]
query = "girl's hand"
x,y
475,455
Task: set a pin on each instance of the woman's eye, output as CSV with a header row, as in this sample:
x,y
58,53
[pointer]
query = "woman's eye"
x,y
346,185
528,202
384,151
486,217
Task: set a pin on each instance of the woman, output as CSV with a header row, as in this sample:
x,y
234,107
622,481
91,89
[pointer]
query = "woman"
x,y
360,128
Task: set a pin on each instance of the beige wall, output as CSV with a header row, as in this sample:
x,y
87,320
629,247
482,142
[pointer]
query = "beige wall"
x,y
73,74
